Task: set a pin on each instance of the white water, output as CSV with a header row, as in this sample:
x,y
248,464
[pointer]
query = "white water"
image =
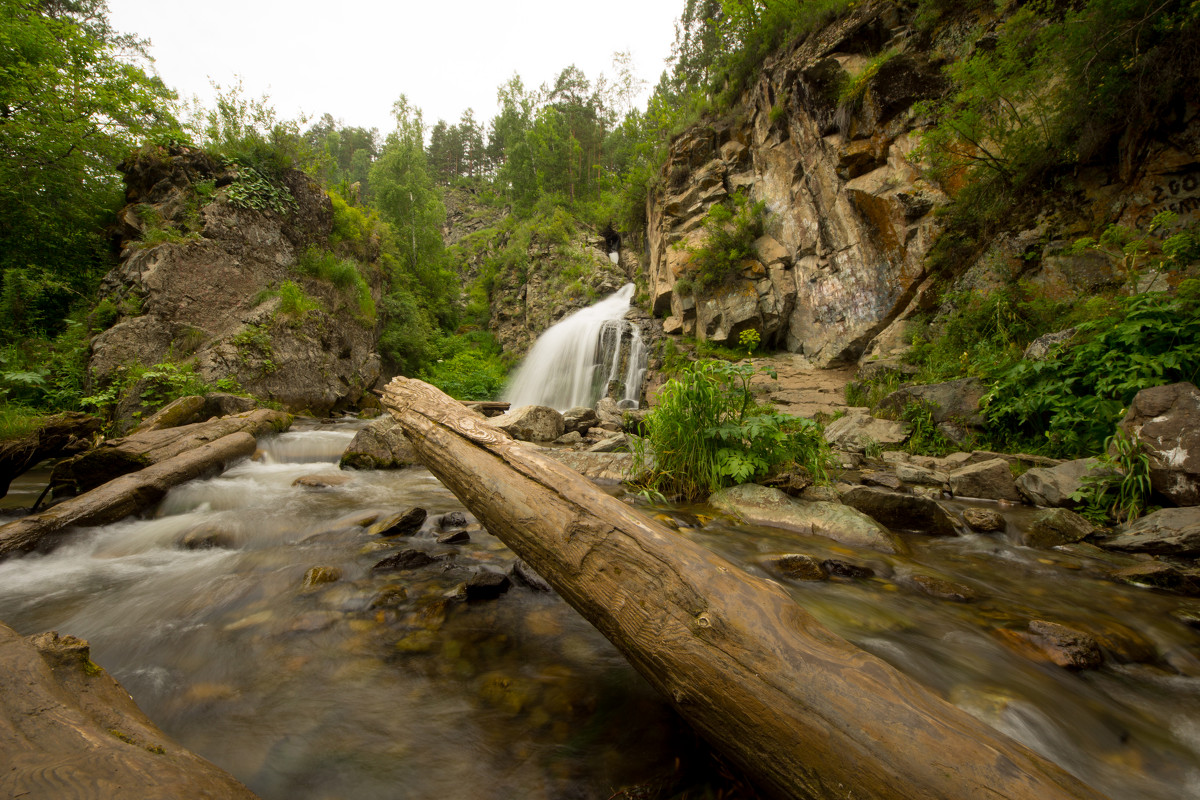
x,y
573,362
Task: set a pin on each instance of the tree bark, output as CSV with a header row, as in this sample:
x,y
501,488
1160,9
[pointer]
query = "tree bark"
x,y
118,457
125,495
66,432
802,711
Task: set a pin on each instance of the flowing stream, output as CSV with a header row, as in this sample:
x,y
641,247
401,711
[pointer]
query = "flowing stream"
x,y
392,686
574,362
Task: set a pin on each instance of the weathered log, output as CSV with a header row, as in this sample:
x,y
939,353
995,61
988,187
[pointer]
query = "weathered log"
x,y
118,457
68,730
804,712
123,496
62,433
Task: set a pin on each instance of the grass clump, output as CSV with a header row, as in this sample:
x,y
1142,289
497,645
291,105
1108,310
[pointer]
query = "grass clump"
x,y
707,433
731,227
344,274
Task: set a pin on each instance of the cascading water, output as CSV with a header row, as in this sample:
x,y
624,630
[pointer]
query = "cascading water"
x,y
576,360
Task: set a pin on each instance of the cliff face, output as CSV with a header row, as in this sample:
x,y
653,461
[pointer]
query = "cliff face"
x,y
207,291
850,214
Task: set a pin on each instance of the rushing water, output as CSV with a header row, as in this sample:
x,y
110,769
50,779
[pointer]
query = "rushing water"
x,y
330,692
574,361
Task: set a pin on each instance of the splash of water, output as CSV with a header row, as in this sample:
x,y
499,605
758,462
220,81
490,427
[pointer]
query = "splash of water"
x,y
574,361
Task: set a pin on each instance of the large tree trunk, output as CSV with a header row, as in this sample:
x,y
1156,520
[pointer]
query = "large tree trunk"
x,y
118,457
69,731
804,712
125,495
66,432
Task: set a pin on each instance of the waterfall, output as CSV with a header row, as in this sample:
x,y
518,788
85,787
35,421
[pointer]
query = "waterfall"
x,y
576,360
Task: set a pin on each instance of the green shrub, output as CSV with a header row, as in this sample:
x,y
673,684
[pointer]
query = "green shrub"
x,y
1119,491
468,375
293,300
731,228
706,433
344,274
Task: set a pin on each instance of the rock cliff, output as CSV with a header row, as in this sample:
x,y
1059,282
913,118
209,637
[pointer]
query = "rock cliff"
x,y
199,280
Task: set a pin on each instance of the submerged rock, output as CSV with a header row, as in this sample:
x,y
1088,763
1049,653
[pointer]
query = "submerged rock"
x,y
984,519
1057,526
399,524
943,589
798,566
404,560
1065,646
1160,575
902,511
316,576
324,481
487,585
206,535
759,505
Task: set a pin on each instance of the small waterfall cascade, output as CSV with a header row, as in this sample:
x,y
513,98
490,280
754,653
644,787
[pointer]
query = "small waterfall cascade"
x,y
577,360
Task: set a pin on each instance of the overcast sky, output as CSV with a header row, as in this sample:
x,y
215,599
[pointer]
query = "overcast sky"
x,y
353,60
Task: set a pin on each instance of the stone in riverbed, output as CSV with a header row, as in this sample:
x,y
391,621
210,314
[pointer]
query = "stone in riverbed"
x,y
452,520
922,476
380,445
322,481
206,535
1173,532
404,560
902,511
990,480
837,568
487,585
316,576
454,537
399,524
1057,526
984,520
942,589
1067,647
759,505
798,566
523,574
579,420
1159,575
389,596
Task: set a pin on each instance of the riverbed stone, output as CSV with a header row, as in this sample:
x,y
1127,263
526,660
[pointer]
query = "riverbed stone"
x,y
901,511
322,481
451,520
389,596
984,520
487,585
206,535
1165,420
454,537
922,476
570,437
798,566
858,431
531,423
1161,575
990,480
380,445
943,588
841,568
523,574
1056,526
610,444
1173,532
580,419
316,576
760,505
404,560
399,524
1065,646
1053,486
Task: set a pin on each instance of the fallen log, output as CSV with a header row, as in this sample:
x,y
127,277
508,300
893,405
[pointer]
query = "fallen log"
x,y
125,495
802,711
62,433
69,731
131,453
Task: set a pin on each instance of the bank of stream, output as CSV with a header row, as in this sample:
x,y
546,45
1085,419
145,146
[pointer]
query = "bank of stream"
x,y
393,684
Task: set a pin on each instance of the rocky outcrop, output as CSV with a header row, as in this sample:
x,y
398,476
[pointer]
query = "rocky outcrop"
x,y
1165,420
198,281
849,216
1173,532
380,445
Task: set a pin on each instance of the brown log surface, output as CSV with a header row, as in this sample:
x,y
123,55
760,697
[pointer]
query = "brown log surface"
x,y
61,433
125,495
804,712
131,453
68,730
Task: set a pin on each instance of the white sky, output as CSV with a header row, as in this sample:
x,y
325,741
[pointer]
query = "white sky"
x,y
353,60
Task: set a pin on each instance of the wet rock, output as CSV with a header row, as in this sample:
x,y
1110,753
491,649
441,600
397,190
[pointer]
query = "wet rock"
x,y
523,574
454,537
1056,526
838,568
609,444
206,535
759,505
580,419
1053,486
1160,575
404,560
359,519
380,445
452,520
417,642
531,423
1165,420
570,437
311,621
858,430
984,520
399,524
798,566
922,476
883,480
943,589
902,511
952,401
1188,615
316,576
1067,647
1121,643
1173,532
389,596
321,482
487,585
991,480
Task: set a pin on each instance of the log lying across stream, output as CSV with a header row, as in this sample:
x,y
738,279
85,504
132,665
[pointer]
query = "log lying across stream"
x,y
802,711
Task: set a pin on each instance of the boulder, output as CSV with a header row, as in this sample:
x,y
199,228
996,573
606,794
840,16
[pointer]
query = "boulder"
x,y
570,437
943,589
991,480
531,423
380,445
400,524
1053,486
322,481
901,511
858,430
487,585
952,401
1166,422
1042,347
580,419
922,476
1160,575
797,566
984,519
1172,532
1056,526
609,444
759,505
1065,646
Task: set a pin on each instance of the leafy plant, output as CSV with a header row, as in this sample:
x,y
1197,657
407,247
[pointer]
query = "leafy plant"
x,y
293,300
1120,489
254,190
924,437
749,339
731,228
